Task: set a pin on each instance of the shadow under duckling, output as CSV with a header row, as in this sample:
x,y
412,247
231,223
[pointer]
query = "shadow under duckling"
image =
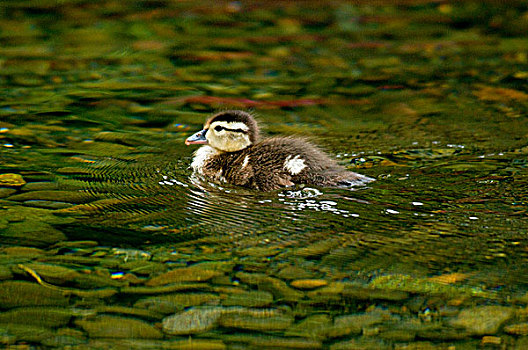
x,y
232,153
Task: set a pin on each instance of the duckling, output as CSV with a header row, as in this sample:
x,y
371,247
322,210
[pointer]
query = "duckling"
x,y
232,153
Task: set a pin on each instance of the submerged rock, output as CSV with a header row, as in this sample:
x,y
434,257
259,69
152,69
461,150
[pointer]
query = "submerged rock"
x,y
76,244
483,320
198,320
64,340
255,319
37,316
444,334
19,214
33,233
6,192
141,267
166,289
94,280
5,273
21,293
317,248
518,328
171,303
12,180
104,326
488,340
248,322
146,344
184,274
398,335
129,311
25,252
398,283
521,344
363,293
47,204
41,186
425,345
249,299
278,288
24,332
192,321
354,324
361,344
308,283
284,343
331,292
293,273
93,293
338,290
314,327
55,196
54,274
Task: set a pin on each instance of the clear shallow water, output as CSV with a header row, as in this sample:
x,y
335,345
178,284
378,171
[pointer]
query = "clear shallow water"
x,y
104,223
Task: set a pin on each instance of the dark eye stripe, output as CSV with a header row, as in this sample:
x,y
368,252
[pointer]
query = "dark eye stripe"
x,y
237,130
220,128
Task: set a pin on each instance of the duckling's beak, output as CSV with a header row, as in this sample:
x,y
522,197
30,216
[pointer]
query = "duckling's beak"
x,y
197,139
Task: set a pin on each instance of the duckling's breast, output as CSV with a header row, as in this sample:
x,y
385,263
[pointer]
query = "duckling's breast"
x,y
203,157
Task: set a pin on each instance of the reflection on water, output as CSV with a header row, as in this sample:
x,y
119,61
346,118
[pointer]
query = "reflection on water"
x,y
431,222
109,241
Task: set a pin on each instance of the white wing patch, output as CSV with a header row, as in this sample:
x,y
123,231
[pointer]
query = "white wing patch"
x,y
245,163
294,165
201,156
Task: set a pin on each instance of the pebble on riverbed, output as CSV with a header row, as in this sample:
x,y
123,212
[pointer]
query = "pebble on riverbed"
x,y
33,233
275,286
22,293
256,321
308,283
170,303
24,332
517,328
249,299
14,180
192,321
30,227
37,316
105,326
202,319
185,274
483,320
6,192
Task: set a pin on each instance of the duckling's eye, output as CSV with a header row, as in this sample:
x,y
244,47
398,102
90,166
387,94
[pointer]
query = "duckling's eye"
x,y
219,128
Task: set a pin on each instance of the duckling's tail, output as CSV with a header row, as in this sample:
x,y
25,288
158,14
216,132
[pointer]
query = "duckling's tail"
x,y
353,179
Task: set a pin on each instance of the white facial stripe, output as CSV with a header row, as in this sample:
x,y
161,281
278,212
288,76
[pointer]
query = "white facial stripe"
x,y
230,125
294,165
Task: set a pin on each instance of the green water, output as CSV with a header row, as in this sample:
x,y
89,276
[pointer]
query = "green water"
x,y
109,241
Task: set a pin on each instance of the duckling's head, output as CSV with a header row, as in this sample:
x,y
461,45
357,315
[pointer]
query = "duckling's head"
x,y
227,131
